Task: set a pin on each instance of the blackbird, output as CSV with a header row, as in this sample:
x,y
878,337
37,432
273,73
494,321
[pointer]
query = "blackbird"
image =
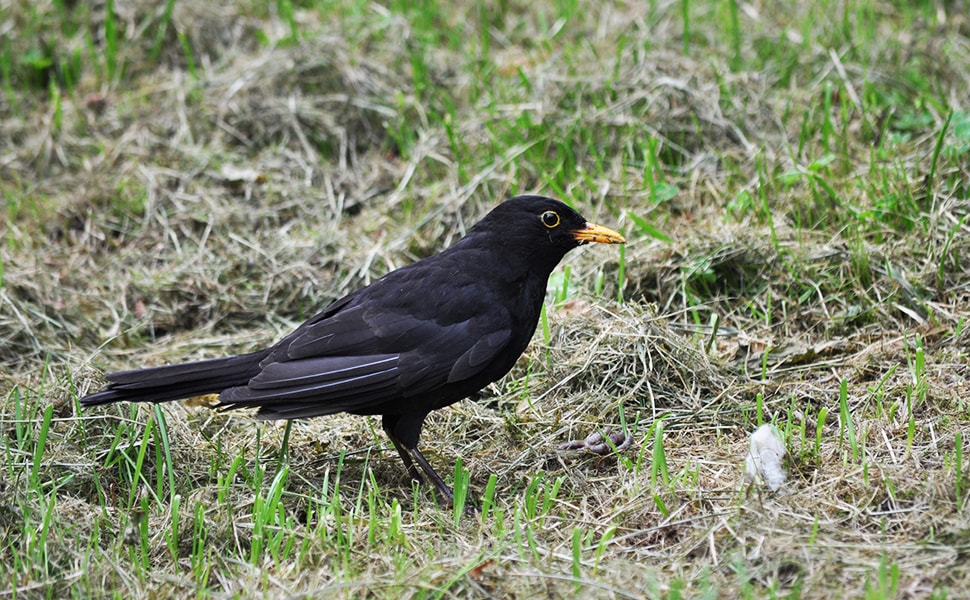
x,y
420,338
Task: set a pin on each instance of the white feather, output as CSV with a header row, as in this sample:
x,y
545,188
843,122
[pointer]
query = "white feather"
x,y
763,463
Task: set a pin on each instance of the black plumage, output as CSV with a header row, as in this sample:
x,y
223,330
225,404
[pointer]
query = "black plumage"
x,y
422,337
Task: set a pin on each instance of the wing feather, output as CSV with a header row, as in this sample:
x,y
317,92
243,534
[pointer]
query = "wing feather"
x,y
479,355
378,346
331,384
327,369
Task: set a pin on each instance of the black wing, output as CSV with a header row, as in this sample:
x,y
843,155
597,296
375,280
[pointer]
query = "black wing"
x,y
375,349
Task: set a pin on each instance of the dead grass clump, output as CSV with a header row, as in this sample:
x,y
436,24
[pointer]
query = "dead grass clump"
x,y
714,271
317,98
600,361
676,98
600,369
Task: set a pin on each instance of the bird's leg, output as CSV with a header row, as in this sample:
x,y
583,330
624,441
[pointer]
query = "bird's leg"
x,y
404,431
408,463
436,479
388,425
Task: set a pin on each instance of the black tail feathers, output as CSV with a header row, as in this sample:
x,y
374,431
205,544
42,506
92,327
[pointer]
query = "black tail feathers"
x,y
177,382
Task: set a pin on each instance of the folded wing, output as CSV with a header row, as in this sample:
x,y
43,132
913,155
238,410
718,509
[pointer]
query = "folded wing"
x,y
322,385
360,360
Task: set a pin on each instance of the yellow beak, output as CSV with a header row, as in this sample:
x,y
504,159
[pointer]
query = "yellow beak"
x,y
599,234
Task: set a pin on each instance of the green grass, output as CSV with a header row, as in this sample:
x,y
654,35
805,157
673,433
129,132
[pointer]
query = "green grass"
x,y
182,180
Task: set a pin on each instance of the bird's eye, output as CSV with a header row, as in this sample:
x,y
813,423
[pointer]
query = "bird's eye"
x,y
550,219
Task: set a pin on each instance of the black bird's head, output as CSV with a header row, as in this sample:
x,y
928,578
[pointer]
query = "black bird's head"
x,y
540,229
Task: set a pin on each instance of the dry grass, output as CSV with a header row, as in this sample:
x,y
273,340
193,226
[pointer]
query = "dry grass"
x,y
205,202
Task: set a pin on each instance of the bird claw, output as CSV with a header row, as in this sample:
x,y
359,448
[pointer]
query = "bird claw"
x,y
598,444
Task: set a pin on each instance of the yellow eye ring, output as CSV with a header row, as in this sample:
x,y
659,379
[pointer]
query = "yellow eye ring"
x,y
550,219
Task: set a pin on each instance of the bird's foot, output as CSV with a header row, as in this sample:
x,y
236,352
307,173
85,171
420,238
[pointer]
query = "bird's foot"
x,y
599,444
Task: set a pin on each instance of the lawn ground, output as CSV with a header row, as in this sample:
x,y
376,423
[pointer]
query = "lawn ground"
x,y
185,180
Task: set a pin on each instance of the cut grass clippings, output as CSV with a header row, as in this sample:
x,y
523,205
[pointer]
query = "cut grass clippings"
x,y
188,180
